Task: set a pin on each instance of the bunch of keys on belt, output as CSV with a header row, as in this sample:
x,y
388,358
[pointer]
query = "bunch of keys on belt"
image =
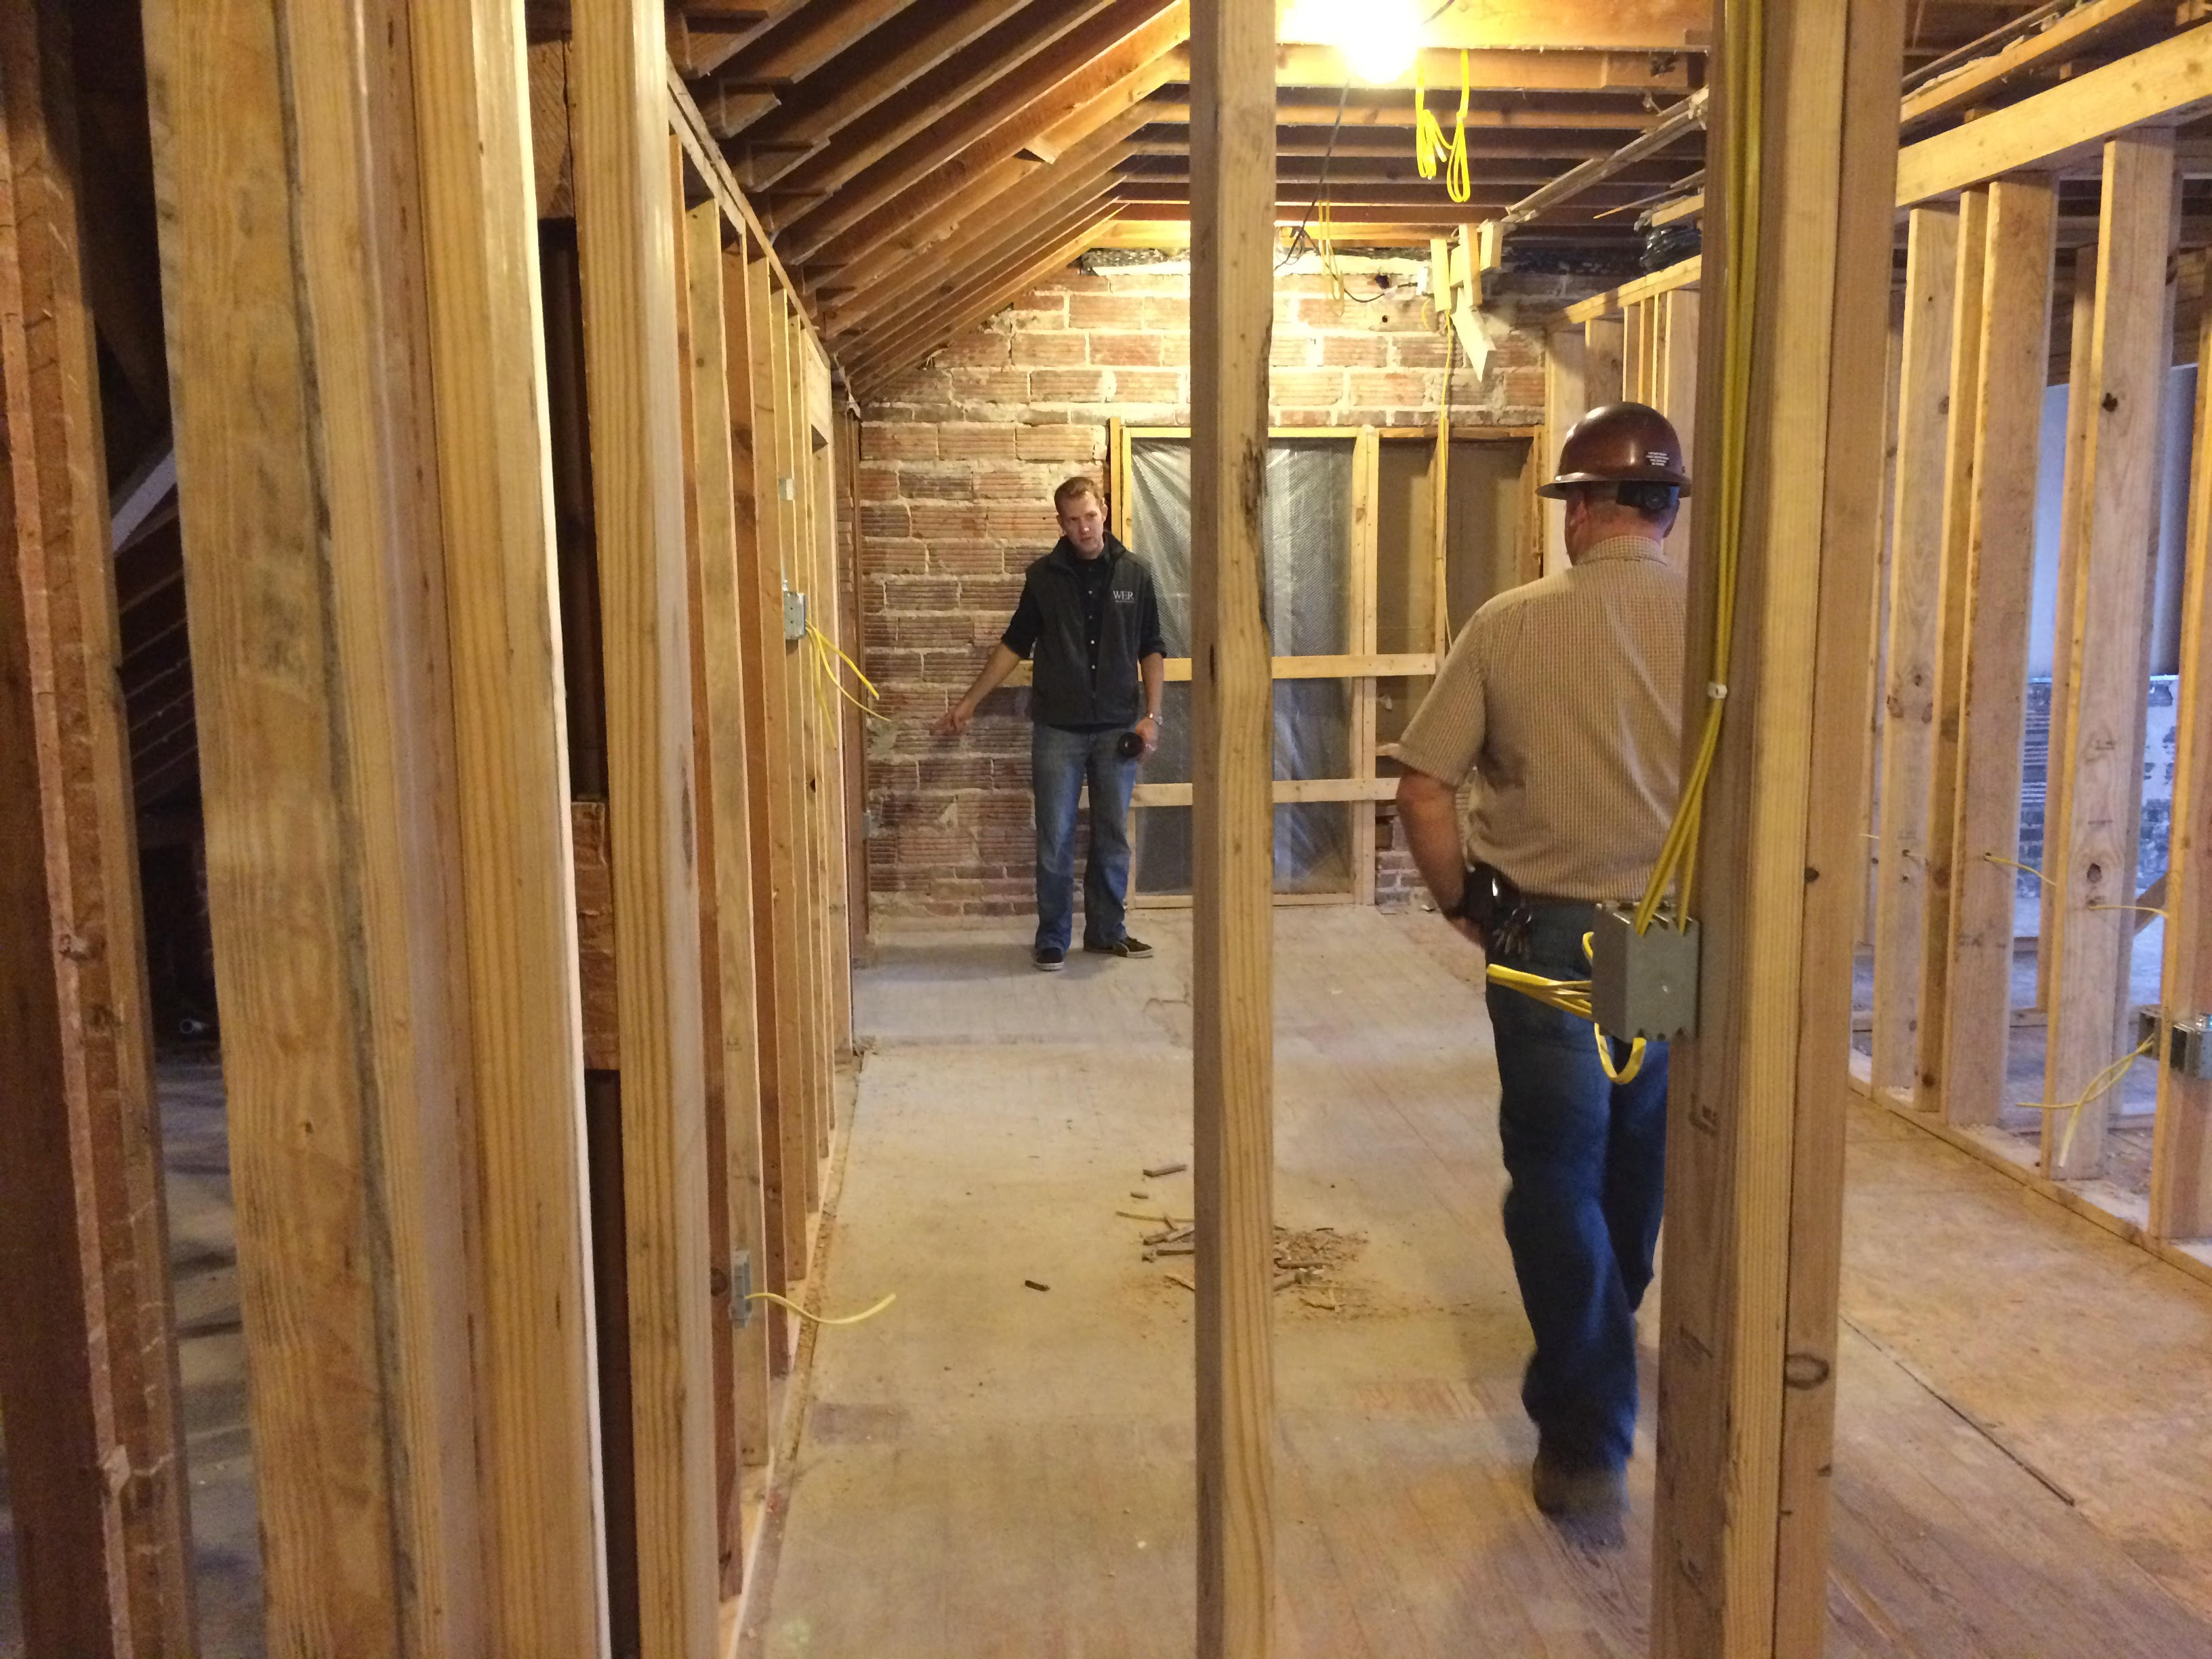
x,y
1491,904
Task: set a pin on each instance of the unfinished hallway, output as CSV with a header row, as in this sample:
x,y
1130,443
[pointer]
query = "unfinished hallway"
x,y
572,572
988,1468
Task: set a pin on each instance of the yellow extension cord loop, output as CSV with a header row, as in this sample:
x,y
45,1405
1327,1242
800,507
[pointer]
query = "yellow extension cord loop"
x,y
1627,1074
1458,184
1429,146
1571,996
823,1319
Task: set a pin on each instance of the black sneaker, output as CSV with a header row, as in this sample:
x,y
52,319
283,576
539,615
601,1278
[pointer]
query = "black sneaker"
x,y
1049,960
1127,946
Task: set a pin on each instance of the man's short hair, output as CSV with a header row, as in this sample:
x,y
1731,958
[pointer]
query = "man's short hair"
x,y
1653,501
1074,489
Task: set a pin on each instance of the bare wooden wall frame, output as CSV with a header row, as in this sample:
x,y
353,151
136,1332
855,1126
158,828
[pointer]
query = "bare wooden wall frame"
x,y
1941,1062
1363,666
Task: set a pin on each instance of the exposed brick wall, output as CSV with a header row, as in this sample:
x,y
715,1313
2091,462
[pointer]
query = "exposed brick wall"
x,y
959,460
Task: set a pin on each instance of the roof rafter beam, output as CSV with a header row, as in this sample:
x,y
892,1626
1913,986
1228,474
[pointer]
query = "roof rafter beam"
x,y
900,357
992,69
806,40
1490,73
972,137
819,107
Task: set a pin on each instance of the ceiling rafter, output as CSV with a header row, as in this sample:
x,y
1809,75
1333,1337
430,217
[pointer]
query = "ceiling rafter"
x,y
989,295
1015,183
813,112
868,299
970,137
801,39
922,305
1000,63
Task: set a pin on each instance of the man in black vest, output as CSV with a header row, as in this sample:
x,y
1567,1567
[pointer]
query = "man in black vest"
x,y
1088,611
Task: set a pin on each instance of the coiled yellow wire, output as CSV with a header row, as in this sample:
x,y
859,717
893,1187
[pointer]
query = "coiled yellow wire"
x,y
1430,150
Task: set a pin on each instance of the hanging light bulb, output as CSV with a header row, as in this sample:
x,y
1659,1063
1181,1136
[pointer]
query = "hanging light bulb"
x,y
1380,38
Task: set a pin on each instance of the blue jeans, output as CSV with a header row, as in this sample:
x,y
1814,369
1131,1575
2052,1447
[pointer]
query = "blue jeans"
x,y
1586,1158
1060,762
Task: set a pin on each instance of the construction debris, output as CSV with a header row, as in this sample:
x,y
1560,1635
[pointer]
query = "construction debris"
x,y
1305,1261
1158,1171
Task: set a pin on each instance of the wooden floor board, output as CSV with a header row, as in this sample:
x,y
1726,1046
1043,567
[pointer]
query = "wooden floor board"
x,y
988,1468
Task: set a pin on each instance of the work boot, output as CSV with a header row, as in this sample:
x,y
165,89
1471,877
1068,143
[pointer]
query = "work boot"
x,y
1587,1490
1127,945
1048,959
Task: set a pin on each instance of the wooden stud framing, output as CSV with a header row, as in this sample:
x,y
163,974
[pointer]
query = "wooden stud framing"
x,y
1953,604
1604,351
2181,1143
1635,322
1367,486
2168,82
88,1372
1677,392
2091,856
798,760
1755,1136
1233,299
2005,413
515,880
1915,580
778,958
625,232
1566,400
727,914
2057,777
301,354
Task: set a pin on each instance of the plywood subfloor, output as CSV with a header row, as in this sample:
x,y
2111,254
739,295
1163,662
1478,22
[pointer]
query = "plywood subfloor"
x,y
2022,1463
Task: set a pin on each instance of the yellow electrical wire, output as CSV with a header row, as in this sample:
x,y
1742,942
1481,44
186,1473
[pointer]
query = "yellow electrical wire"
x,y
1739,177
823,1319
1571,996
2014,863
824,645
1429,146
1458,184
2103,1083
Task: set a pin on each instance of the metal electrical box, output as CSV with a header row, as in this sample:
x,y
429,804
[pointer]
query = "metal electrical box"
x,y
1643,985
2186,1045
794,616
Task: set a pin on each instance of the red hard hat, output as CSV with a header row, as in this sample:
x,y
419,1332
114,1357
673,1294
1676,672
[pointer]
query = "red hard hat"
x,y
1619,443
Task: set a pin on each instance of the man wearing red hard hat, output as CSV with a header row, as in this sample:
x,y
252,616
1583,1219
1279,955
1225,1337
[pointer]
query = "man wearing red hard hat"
x,y
1563,697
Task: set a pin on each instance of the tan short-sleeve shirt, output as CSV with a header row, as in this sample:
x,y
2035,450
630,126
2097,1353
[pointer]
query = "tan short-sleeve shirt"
x,y
1565,695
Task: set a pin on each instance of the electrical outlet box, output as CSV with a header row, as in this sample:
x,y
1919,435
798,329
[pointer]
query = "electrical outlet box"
x,y
786,488
1643,985
741,1289
2186,1045
794,616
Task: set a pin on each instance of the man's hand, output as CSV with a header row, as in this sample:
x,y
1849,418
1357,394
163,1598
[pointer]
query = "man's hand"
x,y
1149,730
955,719
1467,931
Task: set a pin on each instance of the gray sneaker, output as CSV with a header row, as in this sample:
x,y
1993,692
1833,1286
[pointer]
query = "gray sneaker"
x,y
1049,960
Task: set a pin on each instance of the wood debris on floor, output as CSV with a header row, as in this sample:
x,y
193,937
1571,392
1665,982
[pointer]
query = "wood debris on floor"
x,y
1309,1260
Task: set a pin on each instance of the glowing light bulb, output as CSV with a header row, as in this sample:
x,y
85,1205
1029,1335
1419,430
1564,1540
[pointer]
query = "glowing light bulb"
x,y
1379,38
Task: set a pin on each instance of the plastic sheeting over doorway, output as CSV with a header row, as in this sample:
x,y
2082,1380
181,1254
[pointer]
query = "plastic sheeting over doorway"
x,y
1309,611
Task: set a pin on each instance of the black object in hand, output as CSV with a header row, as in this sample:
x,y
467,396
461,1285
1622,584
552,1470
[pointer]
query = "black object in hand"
x,y
1128,745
